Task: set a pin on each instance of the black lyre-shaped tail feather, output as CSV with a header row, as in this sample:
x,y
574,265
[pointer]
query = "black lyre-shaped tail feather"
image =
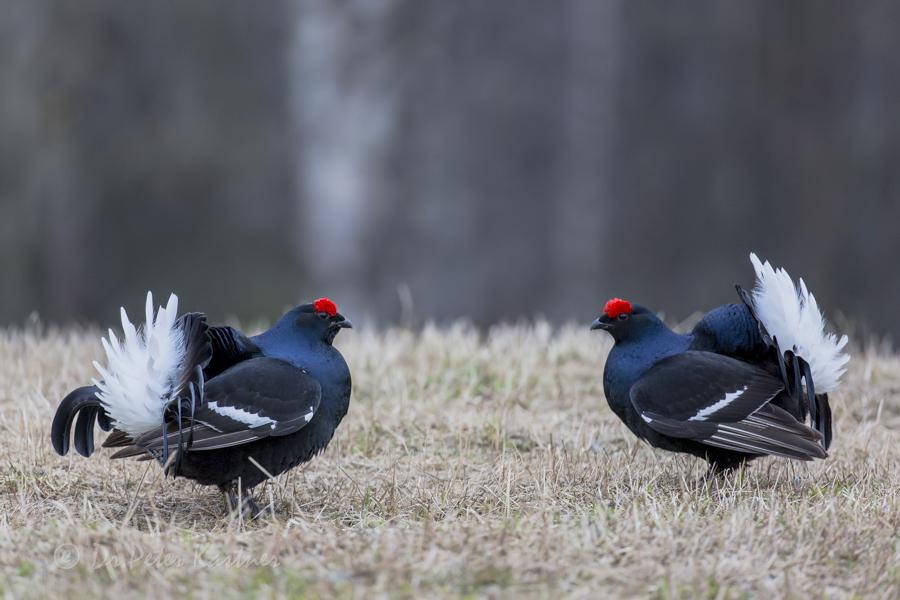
x,y
84,405
819,409
801,388
178,413
198,351
796,390
779,356
823,422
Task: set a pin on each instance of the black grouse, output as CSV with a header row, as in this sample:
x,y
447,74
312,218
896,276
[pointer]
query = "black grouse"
x,y
212,404
739,386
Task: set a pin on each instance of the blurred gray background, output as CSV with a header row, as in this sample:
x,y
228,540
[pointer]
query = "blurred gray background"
x,y
426,159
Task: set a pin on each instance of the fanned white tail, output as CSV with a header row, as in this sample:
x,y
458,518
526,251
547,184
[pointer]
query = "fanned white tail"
x,y
791,315
142,369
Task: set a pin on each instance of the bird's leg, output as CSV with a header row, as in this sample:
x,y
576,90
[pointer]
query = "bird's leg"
x,y
229,490
242,500
250,508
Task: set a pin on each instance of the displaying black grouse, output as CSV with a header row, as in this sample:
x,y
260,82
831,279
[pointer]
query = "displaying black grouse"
x,y
739,386
212,404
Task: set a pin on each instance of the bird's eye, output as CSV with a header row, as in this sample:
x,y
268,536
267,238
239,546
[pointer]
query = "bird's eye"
x,y
623,316
323,314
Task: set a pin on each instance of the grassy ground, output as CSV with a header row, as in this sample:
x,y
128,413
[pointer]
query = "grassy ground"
x,y
468,466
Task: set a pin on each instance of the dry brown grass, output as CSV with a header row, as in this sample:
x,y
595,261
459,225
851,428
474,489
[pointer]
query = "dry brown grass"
x,y
469,466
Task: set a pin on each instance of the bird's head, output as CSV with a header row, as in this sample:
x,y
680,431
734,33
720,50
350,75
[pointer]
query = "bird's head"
x,y
319,319
625,321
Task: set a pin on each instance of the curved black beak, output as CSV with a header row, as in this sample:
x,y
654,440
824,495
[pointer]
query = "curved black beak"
x,y
341,321
600,323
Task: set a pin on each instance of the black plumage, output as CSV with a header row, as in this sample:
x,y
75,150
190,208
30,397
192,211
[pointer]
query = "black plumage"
x,y
240,410
726,391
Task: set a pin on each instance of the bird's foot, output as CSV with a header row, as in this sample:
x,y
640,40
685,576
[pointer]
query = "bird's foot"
x,y
242,502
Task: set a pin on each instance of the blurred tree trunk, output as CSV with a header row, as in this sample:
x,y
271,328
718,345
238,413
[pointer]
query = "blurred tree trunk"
x,y
456,151
148,149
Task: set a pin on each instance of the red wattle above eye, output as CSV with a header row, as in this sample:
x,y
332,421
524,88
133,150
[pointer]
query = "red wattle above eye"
x,y
616,307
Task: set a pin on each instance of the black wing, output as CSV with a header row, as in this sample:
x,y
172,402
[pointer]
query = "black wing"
x,y
254,399
229,347
722,402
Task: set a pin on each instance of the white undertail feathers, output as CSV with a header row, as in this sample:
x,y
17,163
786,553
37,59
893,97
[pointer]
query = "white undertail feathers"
x,y
791,315
142,369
